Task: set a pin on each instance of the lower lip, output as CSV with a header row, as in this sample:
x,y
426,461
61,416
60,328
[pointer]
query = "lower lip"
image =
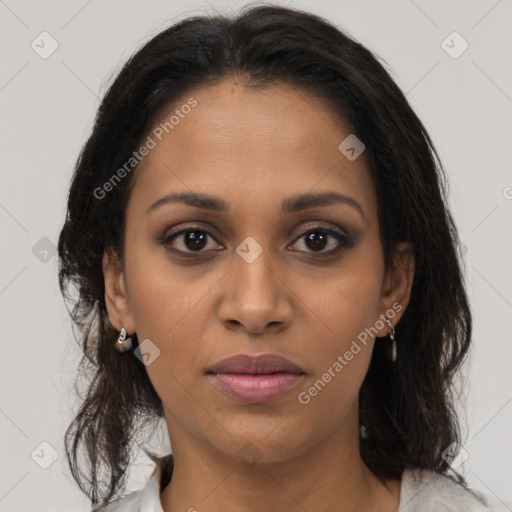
x,y
252,388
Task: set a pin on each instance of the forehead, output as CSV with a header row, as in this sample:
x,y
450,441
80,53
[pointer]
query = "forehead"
x,y
248,144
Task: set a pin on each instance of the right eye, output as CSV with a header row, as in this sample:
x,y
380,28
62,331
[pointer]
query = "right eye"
x,y
192,239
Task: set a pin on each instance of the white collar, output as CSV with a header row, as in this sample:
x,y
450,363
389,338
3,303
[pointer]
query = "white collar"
x,y
150,500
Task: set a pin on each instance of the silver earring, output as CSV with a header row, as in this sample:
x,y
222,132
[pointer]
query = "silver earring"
x,y
391,329
123,344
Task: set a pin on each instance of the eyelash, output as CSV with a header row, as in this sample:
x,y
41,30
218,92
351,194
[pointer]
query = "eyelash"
x,y
344,240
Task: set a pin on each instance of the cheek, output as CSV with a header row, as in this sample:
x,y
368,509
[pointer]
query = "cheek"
x,y
346,304
161,296
344,313
172,316
167,312
339,363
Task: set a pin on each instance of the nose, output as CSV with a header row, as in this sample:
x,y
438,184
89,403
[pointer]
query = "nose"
x,y
256,299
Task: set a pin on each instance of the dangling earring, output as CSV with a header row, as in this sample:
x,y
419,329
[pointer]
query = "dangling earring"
x,y
123,344
391,329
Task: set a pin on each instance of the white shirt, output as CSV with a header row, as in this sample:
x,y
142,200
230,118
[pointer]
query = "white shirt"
x,y
420,491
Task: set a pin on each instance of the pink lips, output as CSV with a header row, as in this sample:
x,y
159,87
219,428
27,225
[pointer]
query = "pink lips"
x,y
250,379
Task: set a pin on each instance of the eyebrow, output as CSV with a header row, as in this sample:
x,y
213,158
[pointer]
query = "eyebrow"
x,y
292,204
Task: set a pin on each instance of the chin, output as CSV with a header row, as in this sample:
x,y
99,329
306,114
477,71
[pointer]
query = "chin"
x,y
266,445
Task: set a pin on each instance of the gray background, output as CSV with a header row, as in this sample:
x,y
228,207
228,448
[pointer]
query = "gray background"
x,y
47,110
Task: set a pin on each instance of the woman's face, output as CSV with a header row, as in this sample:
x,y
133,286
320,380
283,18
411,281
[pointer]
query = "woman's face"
x,y
259,272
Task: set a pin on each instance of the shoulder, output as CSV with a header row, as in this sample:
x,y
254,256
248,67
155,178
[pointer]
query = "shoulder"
x,y
129,503
427,491
146,499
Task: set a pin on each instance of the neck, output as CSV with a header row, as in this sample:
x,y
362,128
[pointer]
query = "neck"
x,y
327,475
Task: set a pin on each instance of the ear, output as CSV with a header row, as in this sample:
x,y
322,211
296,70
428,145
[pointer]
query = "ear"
x,y
396,289
116,296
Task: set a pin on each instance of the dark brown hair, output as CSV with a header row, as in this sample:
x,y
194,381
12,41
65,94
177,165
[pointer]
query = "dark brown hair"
x,y
406,408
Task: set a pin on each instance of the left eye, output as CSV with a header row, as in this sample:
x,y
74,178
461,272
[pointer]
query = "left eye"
x,y
195,239
318,239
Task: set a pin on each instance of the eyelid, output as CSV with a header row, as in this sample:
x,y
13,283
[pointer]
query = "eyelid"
x,y
343,238
186,227
322,225
304,230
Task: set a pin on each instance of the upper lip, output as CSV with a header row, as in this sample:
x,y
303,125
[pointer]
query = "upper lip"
x,y
265,363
